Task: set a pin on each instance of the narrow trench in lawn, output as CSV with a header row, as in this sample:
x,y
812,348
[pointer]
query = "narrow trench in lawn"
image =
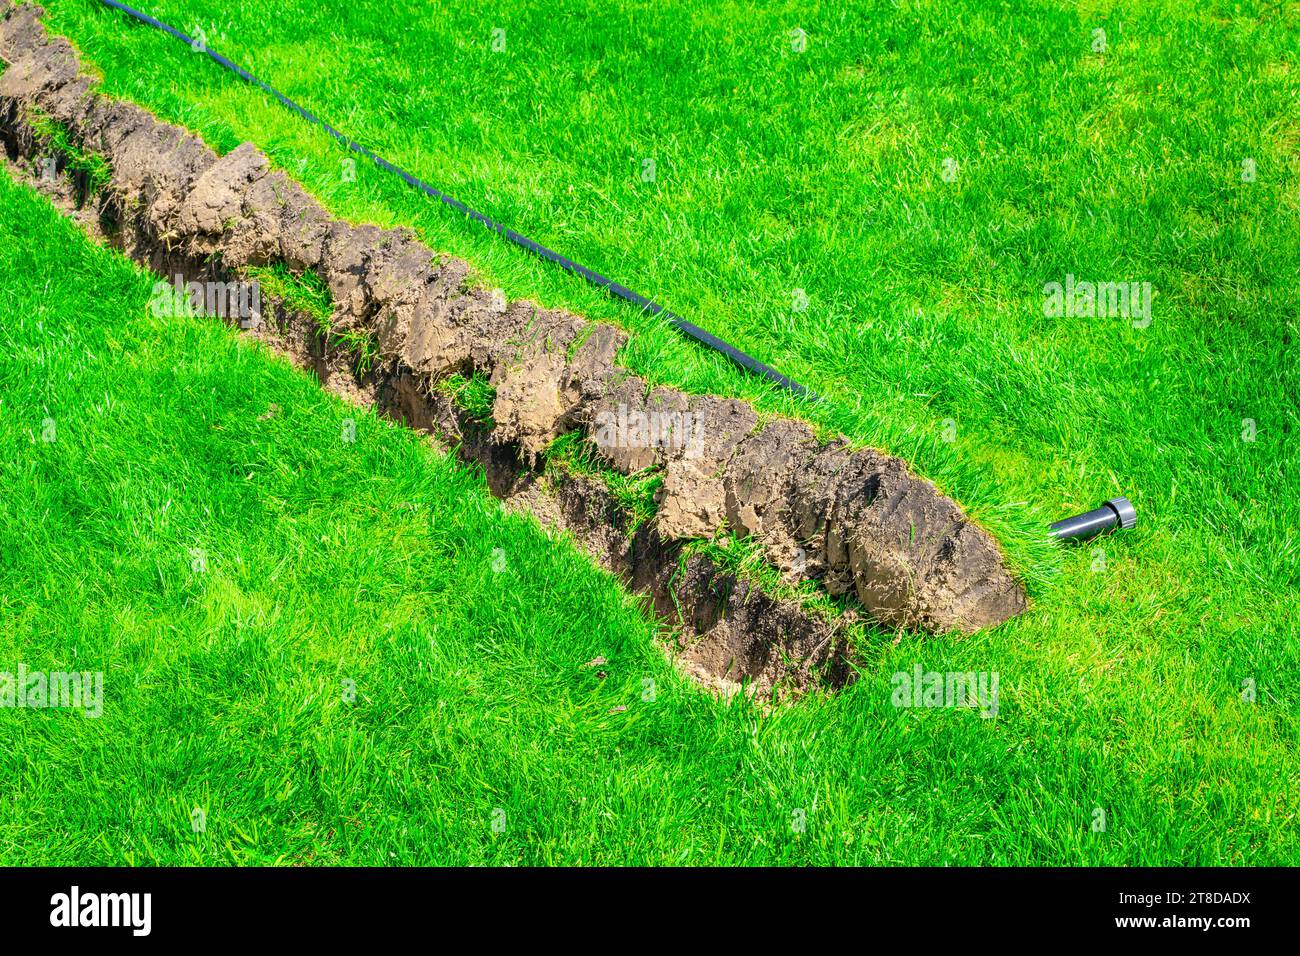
x,y
397,324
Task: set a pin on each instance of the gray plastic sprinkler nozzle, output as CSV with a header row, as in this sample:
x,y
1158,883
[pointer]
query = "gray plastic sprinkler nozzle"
x,y
1116,513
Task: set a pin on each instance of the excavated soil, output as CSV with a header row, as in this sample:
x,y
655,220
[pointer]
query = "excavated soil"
x,y
857,522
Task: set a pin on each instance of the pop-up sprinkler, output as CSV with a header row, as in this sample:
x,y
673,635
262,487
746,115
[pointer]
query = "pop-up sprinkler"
x,y
1116,513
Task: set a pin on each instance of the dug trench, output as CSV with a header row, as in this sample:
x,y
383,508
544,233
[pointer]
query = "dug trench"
x,y
854,522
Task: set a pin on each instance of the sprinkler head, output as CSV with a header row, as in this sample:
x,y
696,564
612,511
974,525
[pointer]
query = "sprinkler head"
x,y
1116,513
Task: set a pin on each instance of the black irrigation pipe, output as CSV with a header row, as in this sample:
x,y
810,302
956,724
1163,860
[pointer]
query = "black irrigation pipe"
x,y
622,291
1114,515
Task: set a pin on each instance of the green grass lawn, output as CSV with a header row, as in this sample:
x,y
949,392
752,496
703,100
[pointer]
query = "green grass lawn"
x,y
775,170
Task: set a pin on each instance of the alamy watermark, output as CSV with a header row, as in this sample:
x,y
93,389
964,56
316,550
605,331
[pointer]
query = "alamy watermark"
x,y
40,690
74,908
228,300
918,688
633,428
1078,299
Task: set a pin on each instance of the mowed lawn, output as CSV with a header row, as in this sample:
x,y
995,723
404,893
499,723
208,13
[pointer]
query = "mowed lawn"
x,y
918,172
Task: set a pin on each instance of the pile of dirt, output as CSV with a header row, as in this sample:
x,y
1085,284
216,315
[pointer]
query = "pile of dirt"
x,y
858,522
